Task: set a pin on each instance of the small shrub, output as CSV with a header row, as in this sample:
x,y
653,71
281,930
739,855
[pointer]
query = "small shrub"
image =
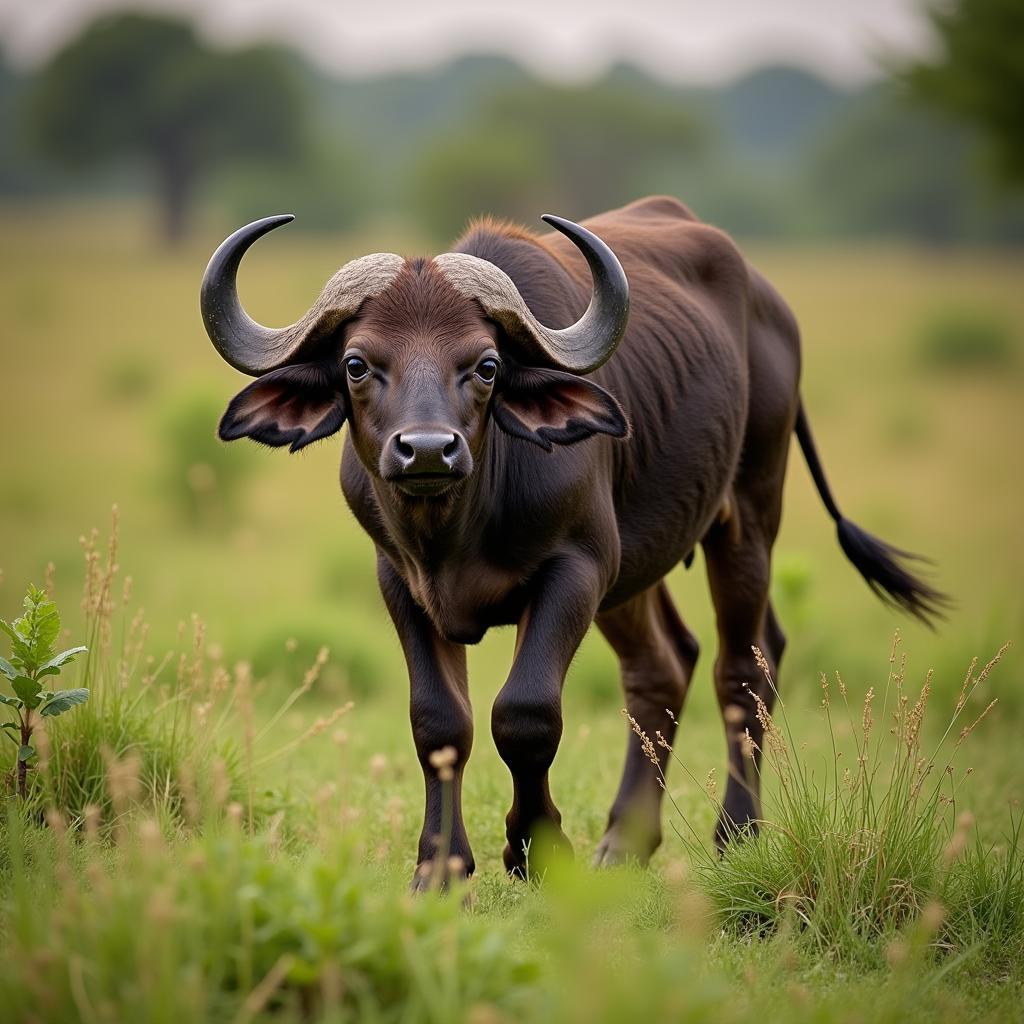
x,y
793,588
128,378
34,661
906,426
346,573
966,338
200,476
361,667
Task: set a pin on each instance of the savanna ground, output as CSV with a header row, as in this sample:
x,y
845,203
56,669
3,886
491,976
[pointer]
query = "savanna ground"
x,y
249,854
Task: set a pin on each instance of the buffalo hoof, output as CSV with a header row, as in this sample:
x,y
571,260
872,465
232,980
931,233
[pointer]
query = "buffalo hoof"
x,y
621,846
532,857
431,875
728,831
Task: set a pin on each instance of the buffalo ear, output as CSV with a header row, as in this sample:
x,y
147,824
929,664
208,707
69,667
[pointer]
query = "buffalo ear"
x,y
294,406
548,407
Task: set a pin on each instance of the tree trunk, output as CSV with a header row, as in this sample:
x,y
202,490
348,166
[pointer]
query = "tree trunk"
x,y
176,181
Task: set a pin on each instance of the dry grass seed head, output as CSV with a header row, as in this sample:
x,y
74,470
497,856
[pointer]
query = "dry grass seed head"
x,y
932,916
866,719
123,781
916,715
968,729
747,745
710,785
443,762
645,741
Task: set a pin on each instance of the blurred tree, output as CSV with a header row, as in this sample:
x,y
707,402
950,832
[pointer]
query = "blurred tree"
x,y
886,167
134,86
980,74
576,150
328,189
475,173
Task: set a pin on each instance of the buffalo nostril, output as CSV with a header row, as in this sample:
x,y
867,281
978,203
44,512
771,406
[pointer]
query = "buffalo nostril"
x,y
426,451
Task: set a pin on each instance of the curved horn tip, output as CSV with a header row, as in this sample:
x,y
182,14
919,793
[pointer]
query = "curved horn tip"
x,y
265,224
557,222
236,244
575,232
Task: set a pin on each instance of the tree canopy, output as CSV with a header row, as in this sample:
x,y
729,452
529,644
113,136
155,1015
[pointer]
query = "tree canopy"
x,y
979,75
575,149
140,87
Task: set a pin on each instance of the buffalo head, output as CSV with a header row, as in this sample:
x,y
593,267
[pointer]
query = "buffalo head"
x,y
419,356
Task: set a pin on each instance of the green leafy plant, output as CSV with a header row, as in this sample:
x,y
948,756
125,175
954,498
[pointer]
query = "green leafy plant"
x,y
33,641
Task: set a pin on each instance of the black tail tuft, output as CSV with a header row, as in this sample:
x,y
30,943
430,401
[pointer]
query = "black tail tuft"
x,y
880,565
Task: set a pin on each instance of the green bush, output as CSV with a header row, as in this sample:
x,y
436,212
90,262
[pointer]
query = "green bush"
x,y
200,476
128,378
966,338
360,665
33,668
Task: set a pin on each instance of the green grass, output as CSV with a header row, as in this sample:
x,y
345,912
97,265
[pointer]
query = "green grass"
x,y
277,890
289,904
254,833
867,842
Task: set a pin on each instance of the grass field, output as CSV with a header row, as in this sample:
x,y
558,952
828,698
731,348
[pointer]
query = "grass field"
x,y
914,365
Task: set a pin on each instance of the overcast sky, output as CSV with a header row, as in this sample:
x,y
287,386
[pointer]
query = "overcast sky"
x,y
688,40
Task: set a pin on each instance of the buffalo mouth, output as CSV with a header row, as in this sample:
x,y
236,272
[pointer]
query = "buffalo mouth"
x,y
425,485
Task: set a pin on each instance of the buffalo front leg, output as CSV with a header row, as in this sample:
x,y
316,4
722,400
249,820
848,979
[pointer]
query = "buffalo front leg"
x,y
526,720
442,729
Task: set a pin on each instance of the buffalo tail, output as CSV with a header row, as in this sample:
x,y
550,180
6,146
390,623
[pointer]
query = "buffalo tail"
x,y
882,566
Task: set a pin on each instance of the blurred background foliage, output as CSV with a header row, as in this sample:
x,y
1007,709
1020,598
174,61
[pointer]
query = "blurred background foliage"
x,y
880,212
140,104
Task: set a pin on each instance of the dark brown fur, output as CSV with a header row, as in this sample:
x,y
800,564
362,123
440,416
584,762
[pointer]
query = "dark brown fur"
x,y
550,535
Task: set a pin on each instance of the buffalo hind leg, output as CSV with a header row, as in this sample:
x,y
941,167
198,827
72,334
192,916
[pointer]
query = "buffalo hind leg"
x,y
657,654
739,561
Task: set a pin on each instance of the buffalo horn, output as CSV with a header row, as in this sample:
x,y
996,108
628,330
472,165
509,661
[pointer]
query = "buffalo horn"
x,y
254,349
579,348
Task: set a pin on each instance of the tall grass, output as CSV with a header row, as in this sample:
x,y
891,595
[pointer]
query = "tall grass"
x,y
230,927
853,852
181,727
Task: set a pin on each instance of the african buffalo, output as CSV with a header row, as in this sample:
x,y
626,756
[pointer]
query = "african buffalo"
x,y
511,471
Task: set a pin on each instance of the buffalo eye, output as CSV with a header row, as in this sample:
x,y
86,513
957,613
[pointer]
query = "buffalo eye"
x,y
356,368
487,370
